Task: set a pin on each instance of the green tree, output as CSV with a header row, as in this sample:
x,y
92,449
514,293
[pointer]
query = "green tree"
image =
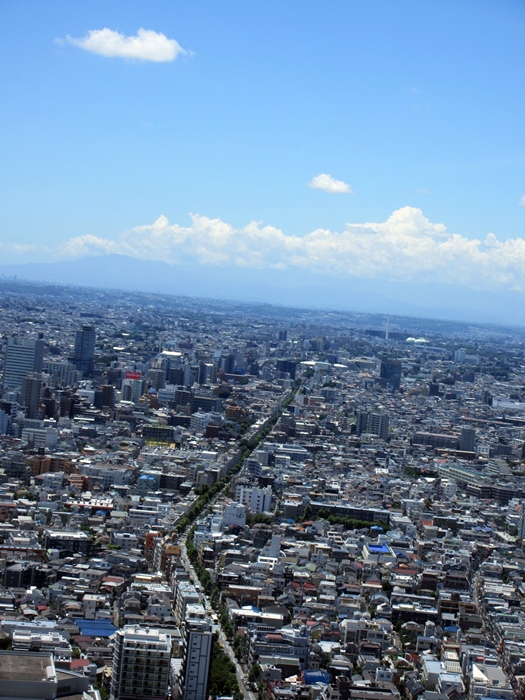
x,y
222,678
254,673
308,512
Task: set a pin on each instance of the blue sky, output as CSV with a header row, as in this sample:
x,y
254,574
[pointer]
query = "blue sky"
x,y
415,107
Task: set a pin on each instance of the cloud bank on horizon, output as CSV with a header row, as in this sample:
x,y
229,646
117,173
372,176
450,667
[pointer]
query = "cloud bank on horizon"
x,y
146,45
406,247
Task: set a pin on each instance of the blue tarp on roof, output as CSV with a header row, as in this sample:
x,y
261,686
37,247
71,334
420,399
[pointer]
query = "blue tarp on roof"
x,y
316,677
95,628
378,548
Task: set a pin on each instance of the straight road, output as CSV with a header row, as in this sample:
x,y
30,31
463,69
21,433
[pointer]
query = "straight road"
x,y
223,641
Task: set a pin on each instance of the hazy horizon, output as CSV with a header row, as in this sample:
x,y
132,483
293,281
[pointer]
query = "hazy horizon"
x,y
367,146
416,301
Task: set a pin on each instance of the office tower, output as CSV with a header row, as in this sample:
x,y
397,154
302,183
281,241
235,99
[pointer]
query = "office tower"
x,y
141,664
286,367
31,394
84,350
196,660
104,397
108,396
194,375
227,363
49,407
433,389
5,422
467,440
390,374
156,378
176,376
23,355
207,372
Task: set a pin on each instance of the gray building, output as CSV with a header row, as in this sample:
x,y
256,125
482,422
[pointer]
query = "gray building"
x,y
84,354
372,422
196,660
23,356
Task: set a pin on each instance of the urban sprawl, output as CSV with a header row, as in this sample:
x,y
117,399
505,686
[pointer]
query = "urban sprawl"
x,y
205,499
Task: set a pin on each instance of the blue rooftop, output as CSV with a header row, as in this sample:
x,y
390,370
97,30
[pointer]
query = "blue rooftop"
x,y
378,548
316,677
95,628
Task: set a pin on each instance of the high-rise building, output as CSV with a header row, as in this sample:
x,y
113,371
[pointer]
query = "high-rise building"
x,y
62,373
372,422
390,374
31,394
104,396
132,390
23,355
84,354
286,367
467,440
378,425
141,664
156,378
361,422
196,660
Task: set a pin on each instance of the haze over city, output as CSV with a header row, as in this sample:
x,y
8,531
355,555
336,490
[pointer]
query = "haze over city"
x,y
350,149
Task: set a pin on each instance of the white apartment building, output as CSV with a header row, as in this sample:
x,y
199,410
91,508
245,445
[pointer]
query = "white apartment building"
x,y
141,664
255,499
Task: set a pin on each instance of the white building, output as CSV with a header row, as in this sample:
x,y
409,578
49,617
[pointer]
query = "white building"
x,y
255,499
234,514
40,437
185,595
141,664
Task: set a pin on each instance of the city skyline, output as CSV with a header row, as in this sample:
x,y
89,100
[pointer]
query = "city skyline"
x,y
348,142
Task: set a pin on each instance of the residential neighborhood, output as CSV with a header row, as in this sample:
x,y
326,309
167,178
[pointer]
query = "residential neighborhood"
x,y
203,498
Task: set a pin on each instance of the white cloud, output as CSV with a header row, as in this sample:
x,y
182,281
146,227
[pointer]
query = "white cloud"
x,y
327,183
407,246
23,248
522,201
147,45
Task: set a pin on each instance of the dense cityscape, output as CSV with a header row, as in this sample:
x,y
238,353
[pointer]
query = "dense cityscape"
x,y
202,498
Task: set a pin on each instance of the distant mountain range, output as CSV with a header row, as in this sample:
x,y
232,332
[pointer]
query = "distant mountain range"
x,y
286,287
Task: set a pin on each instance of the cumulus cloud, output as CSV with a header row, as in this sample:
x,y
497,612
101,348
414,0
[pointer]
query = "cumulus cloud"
x,y
327,183
407,246
522,201
146,45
